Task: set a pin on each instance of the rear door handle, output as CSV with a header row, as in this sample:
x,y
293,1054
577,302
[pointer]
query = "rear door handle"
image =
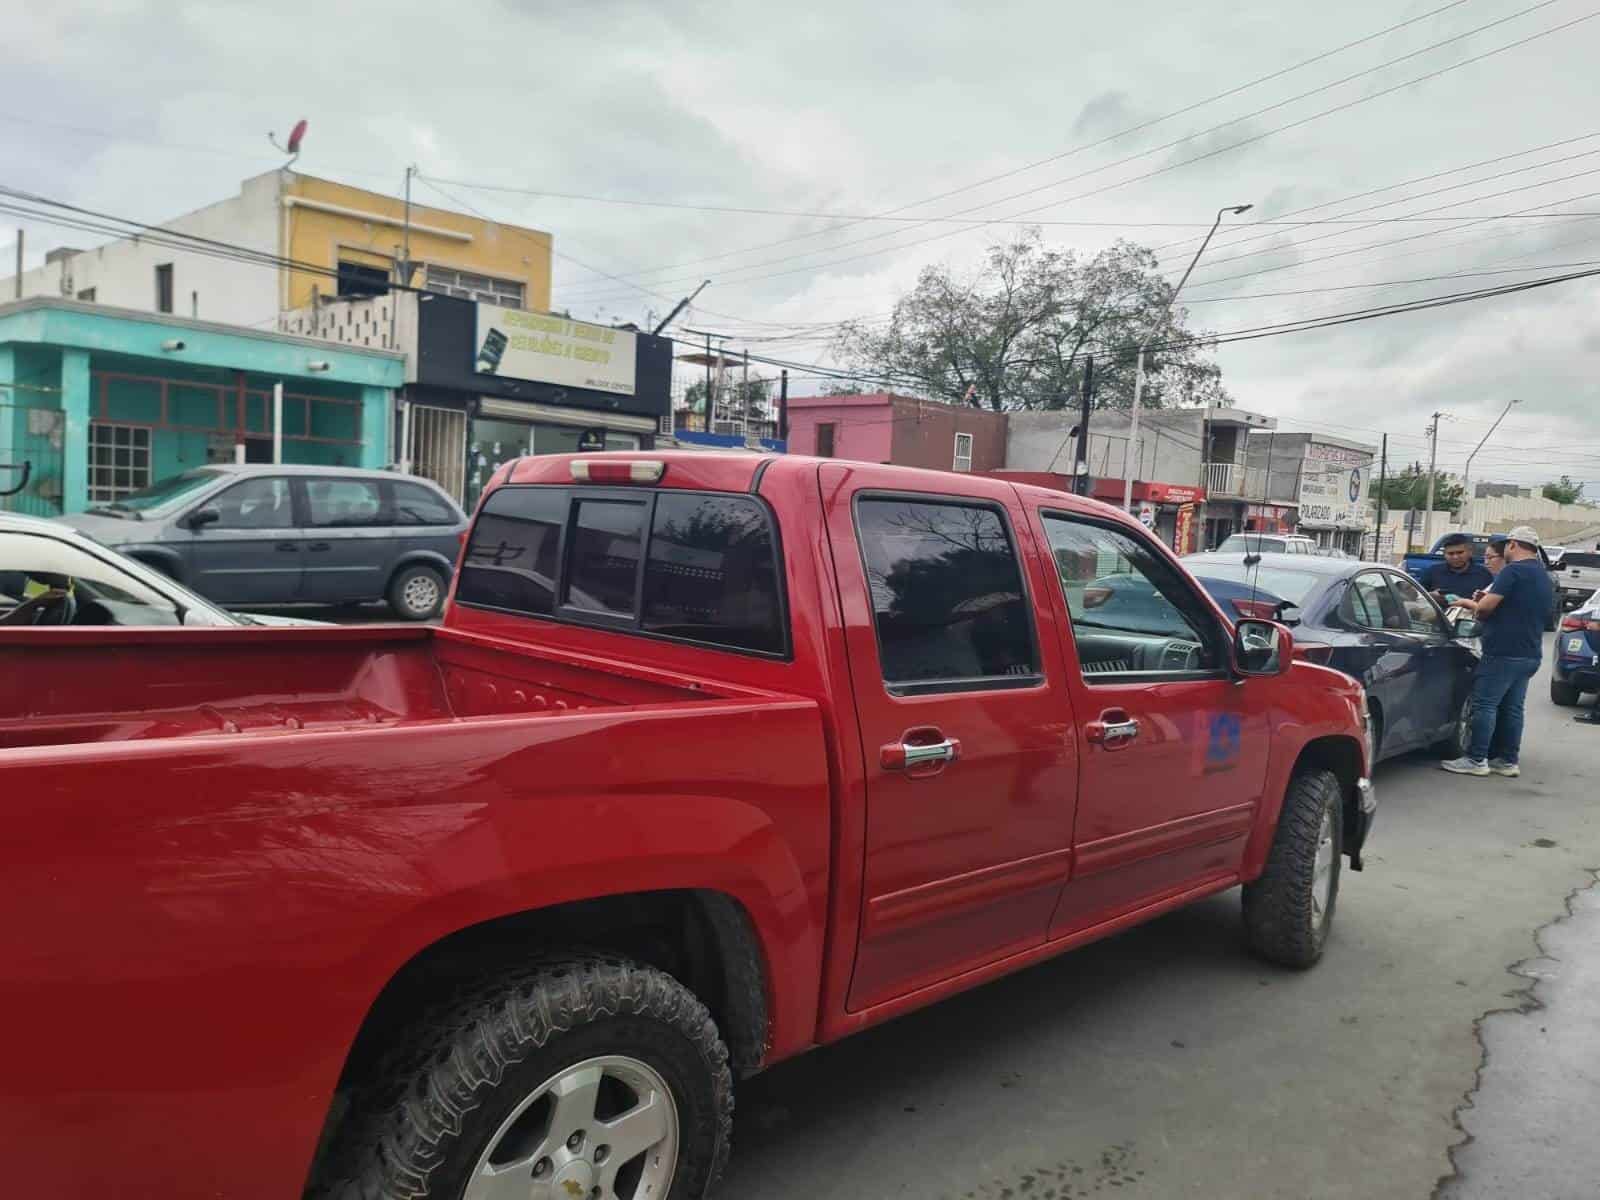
x,y
319,546
1114,730
288,545
902,756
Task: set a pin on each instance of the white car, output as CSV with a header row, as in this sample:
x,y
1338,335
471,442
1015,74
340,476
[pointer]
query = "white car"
x,y
52,575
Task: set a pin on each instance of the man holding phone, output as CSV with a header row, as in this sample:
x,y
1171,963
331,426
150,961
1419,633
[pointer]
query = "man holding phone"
x,y
1513,612
1457,575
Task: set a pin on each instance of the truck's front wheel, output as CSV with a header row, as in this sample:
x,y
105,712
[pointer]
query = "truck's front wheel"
x,y
1288,911
591,1077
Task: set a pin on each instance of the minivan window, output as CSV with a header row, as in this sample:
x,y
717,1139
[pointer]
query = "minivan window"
x,y
947,595
164,493
709,564
417,505
343,503
261,503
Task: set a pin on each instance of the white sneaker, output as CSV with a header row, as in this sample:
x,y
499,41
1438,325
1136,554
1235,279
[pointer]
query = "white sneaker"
x,y
1465,766
1500,766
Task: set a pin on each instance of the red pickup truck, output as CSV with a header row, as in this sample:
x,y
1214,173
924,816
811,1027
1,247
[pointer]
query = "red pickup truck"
x,y
714,758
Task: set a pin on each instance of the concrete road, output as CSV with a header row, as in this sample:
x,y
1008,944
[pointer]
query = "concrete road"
x,y
1165,1062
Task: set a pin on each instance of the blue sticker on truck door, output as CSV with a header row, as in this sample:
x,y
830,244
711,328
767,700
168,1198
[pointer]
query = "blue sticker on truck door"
x,y
1221,736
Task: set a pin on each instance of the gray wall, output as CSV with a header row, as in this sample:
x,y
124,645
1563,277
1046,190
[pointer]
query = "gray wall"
x,y
1170,444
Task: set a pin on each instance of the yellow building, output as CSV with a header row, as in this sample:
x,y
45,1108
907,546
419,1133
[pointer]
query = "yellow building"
x,y
351,238
362,236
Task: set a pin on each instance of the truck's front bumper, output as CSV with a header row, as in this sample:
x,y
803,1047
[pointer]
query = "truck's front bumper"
x,y
1366,810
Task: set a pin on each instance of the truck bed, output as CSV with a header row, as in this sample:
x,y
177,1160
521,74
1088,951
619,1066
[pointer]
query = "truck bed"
x,y
112,685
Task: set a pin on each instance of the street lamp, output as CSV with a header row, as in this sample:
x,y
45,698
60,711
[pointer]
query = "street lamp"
x,y
1466,476
1138,378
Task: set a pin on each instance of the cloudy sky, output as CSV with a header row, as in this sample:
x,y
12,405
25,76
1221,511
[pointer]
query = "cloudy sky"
x,y
1113,117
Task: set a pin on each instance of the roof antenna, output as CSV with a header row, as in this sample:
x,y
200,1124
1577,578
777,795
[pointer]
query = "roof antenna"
x,y
296,135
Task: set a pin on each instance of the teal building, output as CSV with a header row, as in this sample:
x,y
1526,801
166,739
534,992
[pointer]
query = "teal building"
x,y
102,401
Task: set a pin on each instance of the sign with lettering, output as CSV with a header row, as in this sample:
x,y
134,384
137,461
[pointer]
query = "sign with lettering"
x,y
542,348
1333,488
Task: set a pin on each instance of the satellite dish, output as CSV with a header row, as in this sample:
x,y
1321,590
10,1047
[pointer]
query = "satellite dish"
x,y
296,136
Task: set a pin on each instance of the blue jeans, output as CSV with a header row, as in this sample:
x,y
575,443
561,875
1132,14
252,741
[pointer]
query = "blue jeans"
x,y
1499,693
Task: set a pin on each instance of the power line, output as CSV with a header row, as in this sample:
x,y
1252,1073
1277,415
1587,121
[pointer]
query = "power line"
x,y
1345,106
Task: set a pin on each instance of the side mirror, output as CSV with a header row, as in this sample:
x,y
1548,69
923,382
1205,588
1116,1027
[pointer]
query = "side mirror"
x,y
1466,627
201,517
1262,648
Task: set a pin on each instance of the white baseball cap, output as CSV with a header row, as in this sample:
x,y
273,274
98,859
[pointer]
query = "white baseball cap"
x,y
1526,534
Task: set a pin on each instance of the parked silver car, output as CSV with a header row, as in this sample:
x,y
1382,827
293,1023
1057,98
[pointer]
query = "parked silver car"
x,y
52,575
270,535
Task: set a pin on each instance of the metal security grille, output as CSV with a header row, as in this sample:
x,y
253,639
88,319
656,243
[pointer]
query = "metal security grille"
x,y
35,437
469,285
119,460
438,449
963,454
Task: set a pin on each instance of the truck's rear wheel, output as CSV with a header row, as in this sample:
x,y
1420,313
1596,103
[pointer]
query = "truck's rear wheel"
x,y
1289,909
593,1077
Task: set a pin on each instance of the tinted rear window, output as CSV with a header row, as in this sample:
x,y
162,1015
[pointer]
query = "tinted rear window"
x,y
684,565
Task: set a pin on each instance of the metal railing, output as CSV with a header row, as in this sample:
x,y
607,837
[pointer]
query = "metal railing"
x,y
1224,479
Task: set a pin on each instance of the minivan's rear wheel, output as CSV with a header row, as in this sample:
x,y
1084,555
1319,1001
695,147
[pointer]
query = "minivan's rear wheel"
x,y
417,593
1289,909
591,1077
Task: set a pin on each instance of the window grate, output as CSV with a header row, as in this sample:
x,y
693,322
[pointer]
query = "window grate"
x,y
468,285
119,460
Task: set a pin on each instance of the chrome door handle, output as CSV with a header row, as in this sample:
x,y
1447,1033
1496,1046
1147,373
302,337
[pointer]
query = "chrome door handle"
x,y
1112,733
898,756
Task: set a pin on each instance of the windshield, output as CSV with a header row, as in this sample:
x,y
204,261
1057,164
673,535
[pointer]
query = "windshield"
x,y
165,494
1286,584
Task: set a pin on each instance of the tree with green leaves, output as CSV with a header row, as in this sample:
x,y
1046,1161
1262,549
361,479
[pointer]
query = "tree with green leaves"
x,y
1407,489
1014,332
1563,490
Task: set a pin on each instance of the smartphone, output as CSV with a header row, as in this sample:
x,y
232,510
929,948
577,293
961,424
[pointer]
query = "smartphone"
x,y
494,345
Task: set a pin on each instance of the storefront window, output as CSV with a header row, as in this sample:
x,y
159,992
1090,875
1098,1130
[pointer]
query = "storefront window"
x,y
494,442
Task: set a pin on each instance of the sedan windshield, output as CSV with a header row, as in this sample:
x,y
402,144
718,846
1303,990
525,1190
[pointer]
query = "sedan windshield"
x,y
167,493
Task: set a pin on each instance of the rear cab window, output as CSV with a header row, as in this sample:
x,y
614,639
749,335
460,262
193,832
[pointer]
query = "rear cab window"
x,y
948,603
685,566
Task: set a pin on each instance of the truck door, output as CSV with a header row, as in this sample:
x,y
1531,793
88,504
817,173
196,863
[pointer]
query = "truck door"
x,y
966,729
1173,752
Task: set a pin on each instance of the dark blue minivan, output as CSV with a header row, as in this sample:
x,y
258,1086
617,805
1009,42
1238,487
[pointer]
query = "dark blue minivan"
x,y
268,535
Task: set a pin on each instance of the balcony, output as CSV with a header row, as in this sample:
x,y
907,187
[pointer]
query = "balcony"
x,y
1224,479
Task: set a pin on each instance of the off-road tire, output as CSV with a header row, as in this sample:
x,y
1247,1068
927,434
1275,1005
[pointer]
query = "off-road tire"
x,y
1564,695
418,1130
1280,921
400,593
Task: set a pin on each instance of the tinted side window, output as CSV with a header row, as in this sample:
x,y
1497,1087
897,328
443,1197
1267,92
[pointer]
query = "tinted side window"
x,y
603,564
947,593
343,503
711,573
511,559
1369,603
417,505
254,504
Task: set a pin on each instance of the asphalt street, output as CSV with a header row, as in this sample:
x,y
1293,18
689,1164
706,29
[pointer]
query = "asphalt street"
x,y
1166,1062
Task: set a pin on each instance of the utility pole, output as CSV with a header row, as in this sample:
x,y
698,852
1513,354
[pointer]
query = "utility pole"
x,y
783,406
1138,378
1433,458
1466,477
681,305
707,423
1383,480
1080,466
405,233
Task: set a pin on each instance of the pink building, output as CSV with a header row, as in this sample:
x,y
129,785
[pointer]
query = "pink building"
x,y
880,427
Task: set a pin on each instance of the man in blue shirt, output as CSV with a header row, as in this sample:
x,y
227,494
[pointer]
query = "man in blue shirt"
x,y
1513,613
1457,575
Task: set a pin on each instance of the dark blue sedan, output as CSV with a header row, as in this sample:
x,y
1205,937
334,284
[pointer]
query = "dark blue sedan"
x,y
1372,622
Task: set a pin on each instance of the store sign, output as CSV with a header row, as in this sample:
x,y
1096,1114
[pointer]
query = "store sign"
x,y
591,439
1333,488
1174,493
514,344
1147,515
